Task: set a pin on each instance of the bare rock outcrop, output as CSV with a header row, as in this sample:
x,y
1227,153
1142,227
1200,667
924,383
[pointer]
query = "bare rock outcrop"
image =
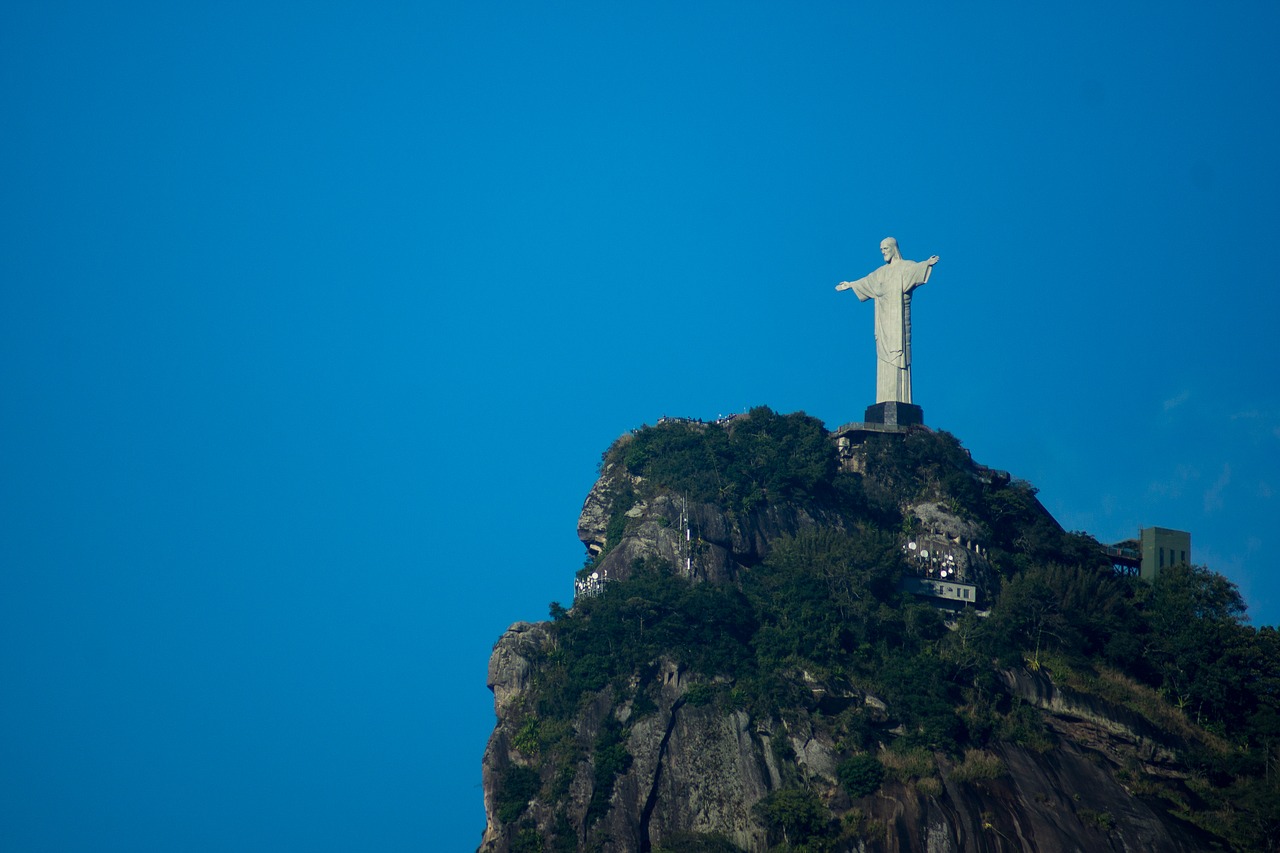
x,y
702,540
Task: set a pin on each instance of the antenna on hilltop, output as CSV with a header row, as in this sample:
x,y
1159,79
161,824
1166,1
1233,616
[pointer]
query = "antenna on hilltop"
x,y
688,535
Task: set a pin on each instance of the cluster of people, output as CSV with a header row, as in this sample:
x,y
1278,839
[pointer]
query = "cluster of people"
x,y
719,421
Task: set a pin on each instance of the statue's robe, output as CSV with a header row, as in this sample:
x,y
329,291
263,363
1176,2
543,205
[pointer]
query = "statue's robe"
x,y
890,286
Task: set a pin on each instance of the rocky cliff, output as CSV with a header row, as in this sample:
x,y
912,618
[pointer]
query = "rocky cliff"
x,y
743,671
697,771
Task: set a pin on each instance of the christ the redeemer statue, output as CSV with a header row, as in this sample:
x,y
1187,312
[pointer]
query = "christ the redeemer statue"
x,y
890,286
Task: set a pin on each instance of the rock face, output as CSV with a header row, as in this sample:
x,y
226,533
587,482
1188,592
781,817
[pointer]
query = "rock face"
x,y
661,766
696,769
705,541
692,768
510,664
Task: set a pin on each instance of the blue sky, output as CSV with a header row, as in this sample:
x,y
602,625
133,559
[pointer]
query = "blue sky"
x,y
315,321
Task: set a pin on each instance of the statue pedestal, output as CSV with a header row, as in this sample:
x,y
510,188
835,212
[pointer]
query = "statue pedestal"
x,y
895,414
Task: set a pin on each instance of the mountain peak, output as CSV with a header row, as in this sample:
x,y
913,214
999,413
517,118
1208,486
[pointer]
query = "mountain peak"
x,y
790,638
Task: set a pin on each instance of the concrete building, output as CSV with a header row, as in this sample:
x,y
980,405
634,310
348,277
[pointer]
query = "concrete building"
x,y
1162,547
953,595
1155,549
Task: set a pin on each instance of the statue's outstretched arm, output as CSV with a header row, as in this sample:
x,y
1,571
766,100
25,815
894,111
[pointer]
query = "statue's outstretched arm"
x,y
928,272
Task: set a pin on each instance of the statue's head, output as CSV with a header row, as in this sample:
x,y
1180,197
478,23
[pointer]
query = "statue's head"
x,y
889,248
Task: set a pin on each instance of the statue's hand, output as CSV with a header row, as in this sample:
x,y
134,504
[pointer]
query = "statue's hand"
x,y
844,285
933,260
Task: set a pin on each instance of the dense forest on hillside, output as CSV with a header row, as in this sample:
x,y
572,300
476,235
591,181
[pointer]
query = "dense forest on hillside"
x,y
822,617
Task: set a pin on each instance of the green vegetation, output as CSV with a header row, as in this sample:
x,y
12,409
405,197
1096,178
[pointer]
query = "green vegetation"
x,y
823,607
978,765
796,818
907,764
606,638
611,760
1102,820
519,786
861,775
763,457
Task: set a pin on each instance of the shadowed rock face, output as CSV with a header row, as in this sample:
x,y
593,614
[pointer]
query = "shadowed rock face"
x,y
702,769
699,767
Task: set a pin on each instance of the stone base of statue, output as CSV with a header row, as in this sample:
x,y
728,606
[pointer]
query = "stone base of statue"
x,y
895,414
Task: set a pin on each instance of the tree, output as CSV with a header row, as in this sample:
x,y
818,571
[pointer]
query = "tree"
x,y
1198,643
1029,617
861,775
794,813
819,595
1074,609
